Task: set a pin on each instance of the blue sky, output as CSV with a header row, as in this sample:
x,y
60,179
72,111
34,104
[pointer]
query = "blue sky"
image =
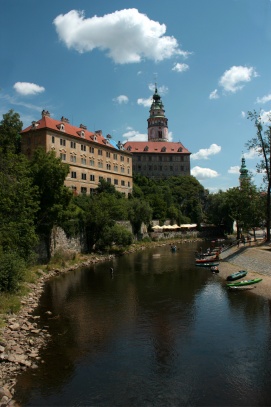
x,y
96,62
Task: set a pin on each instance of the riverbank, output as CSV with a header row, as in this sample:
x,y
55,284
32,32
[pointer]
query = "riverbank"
x,y
22,336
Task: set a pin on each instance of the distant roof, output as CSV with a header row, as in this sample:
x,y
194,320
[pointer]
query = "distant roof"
x,y
155,147
80,132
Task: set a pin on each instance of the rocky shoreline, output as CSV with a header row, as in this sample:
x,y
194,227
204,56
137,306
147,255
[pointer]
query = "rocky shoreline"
x,y
21,338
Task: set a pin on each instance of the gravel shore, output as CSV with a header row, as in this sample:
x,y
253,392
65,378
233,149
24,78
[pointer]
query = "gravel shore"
x,y
255,259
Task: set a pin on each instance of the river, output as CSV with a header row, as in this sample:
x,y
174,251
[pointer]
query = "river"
x,y
158,331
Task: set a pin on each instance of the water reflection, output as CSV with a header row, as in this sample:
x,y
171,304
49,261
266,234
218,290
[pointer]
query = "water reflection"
x,y
160,332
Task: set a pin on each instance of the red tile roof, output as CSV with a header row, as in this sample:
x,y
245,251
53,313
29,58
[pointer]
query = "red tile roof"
x,y
47,122
155,147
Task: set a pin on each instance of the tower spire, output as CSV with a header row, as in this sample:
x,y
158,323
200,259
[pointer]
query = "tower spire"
x,y
157,122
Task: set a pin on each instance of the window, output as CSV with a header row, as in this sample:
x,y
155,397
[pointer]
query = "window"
x,y
115,168
129,184
83,147
123,183
108,167
100,152
73,174
116,182
122,170
91,150
92,190
83,161
73,144
62,142
121,158
128,170
115,156
53,139
100,178
73,159
100,164
84,176
107,154
108,180
83,190
128,159
63,156
92,177
91,162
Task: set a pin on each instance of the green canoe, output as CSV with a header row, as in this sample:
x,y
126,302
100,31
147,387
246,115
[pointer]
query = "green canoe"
x,y
245,282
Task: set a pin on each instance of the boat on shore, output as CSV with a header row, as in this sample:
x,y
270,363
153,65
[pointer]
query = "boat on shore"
x,y
244,282
207,264
237,275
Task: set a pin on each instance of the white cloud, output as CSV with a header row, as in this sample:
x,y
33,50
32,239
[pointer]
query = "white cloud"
x,y
134,135
204,153
243,115
203,173
126,35
234,169
214,95
121,99
26,88
264,99
265,116
145,102
252,153
233,79
180,67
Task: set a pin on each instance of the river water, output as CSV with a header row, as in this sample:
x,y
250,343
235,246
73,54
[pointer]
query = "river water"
x,y
159,331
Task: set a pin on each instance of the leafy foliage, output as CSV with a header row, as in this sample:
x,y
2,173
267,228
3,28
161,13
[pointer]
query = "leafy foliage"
x,y
10,128
262,144
12,269
18,206
48,174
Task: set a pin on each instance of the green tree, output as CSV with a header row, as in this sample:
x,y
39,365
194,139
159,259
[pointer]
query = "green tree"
x,y
10,128
98,215
18,206
48,174
139,212
262,144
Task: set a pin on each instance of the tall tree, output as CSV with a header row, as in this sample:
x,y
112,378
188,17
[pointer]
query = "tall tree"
x,y
49,173
262,144
10,128
18,206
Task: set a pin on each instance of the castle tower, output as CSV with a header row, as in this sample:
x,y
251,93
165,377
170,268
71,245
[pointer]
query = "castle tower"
x,y
157,122
244,176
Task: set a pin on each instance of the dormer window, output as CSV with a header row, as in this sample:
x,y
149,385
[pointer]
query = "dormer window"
x,y
129,148
82,133
146,148
34,125
163,149
180,149
95,137
61,127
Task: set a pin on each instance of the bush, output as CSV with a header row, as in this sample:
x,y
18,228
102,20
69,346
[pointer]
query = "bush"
x,y
12,269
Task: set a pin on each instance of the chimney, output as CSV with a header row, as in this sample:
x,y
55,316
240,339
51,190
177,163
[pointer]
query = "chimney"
x,y
82,126
64,120
45,113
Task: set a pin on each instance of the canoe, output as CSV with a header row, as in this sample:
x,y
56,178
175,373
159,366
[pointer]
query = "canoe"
x,y
208,264
237,275
207,260
245,282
